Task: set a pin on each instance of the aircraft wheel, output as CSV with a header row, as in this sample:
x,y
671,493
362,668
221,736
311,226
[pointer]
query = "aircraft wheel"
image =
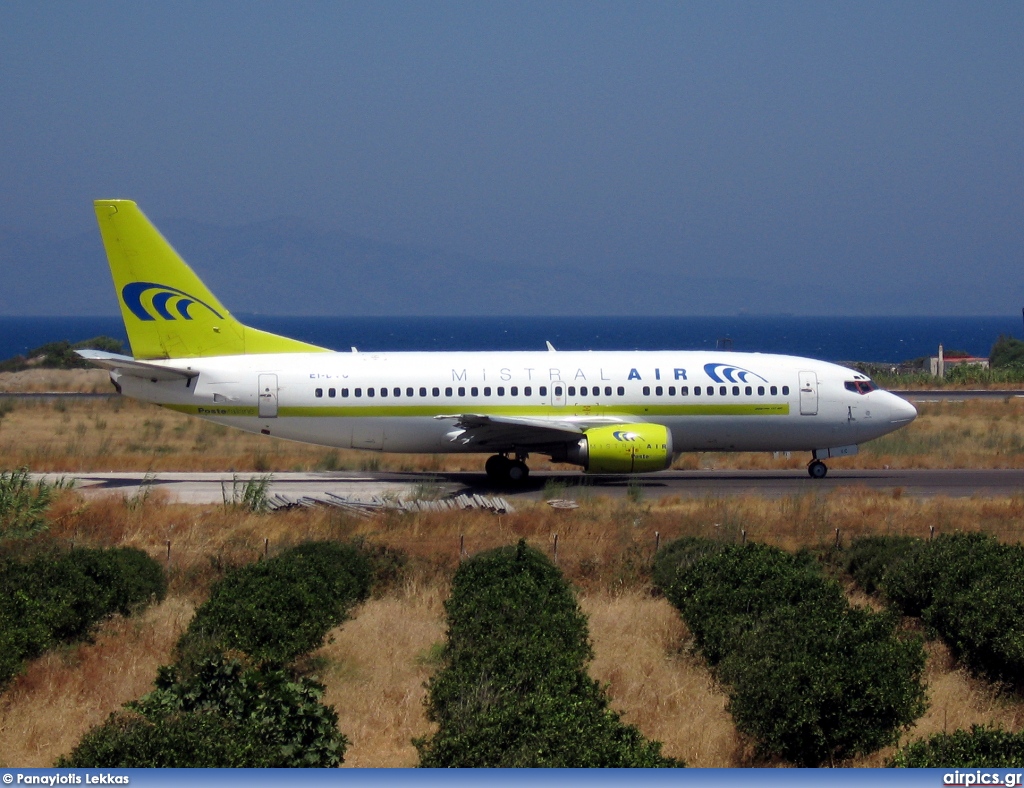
x,y
497,467
518,471
817,469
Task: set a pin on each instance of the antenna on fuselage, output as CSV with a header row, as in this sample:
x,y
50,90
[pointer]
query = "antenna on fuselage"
x,y
551,347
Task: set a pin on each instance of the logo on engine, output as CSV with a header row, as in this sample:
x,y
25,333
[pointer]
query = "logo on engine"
x,y
622,435
167,303
726,373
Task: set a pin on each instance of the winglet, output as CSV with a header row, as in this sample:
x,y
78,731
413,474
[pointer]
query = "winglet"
x,y
168,312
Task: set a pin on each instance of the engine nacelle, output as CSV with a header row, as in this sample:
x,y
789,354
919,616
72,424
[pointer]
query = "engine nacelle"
x,y
623,448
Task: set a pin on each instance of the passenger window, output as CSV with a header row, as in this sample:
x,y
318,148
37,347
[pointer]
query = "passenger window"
x,y
527,391
722,390
319,392
359,392
423,391
760,391
735,391
622,391
474,391
785,389
344,392
711,391
487,391
671,391
448,391
696,391
748,391
659,390
369,392
501,391
435,392
684,391
583,391
774,390
515,391
607,391
397,392
544,391
383,391
558,391
572,391
462,391
410,391
647,391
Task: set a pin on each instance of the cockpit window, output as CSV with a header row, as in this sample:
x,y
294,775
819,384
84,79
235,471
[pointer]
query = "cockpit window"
x,y
860,386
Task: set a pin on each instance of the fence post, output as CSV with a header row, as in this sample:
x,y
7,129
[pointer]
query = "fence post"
x,y
657,541
837,537
556,550
743,536
266,547
168,551
931,532
462,546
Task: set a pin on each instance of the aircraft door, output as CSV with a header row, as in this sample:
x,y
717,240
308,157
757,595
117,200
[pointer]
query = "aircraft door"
x,y
268,397
557,393
808,394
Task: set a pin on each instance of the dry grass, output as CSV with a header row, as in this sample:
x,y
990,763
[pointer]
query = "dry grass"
x,y
376,664
88,381
64,693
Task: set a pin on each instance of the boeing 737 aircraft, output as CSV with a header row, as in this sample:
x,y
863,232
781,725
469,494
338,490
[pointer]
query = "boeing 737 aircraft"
x,y
608,412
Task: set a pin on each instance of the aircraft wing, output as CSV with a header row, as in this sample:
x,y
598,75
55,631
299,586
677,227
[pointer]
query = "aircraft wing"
x,y
500,432
127,365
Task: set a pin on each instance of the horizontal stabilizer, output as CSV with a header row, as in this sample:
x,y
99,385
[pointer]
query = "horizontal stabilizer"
x,y
127,365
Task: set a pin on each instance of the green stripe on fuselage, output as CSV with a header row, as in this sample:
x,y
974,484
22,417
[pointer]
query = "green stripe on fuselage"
x,y
429,411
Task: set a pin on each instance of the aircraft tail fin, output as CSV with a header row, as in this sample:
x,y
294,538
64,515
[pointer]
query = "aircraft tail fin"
x,y
168,312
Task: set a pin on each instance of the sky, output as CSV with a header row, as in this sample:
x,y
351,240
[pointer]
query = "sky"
x,y
812,157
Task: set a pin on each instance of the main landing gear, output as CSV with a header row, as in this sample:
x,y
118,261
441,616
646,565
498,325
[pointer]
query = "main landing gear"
x,y
817,469
504,470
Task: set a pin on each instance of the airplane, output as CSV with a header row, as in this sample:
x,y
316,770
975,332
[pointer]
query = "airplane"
x,y
609,412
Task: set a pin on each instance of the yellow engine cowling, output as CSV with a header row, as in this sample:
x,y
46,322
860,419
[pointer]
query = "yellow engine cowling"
x,y
624,448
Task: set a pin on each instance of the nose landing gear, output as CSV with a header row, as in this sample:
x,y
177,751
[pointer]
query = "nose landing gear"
x,y
503,470
817,469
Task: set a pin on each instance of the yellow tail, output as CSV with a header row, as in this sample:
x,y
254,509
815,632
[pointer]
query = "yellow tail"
x,y
168,312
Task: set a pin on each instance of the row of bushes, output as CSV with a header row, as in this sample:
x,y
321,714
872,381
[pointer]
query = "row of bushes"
x,y
968,588
810,678
59,597
979,747
512,689
232,699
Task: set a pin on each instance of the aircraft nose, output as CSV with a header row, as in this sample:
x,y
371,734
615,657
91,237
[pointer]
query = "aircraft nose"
x,y
902,412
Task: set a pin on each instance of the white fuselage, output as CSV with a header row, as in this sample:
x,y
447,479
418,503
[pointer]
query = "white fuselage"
x,y
396,402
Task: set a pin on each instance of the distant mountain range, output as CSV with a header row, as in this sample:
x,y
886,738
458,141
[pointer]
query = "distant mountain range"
x,y
287,267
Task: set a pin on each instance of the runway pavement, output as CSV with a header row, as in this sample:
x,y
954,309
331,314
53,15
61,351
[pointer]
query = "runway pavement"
x,y
207,488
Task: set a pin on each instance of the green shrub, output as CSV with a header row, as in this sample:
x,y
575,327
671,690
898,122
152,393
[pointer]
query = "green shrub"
x,y
59,597
225,714
197,740
809,678
513,689
281,608
870,557
981,747
678,556
23,504
969,589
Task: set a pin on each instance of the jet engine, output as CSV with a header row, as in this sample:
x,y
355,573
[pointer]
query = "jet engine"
x,y
623,448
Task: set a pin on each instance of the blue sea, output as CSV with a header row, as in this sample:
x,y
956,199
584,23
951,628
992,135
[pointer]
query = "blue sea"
x,y
883,339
